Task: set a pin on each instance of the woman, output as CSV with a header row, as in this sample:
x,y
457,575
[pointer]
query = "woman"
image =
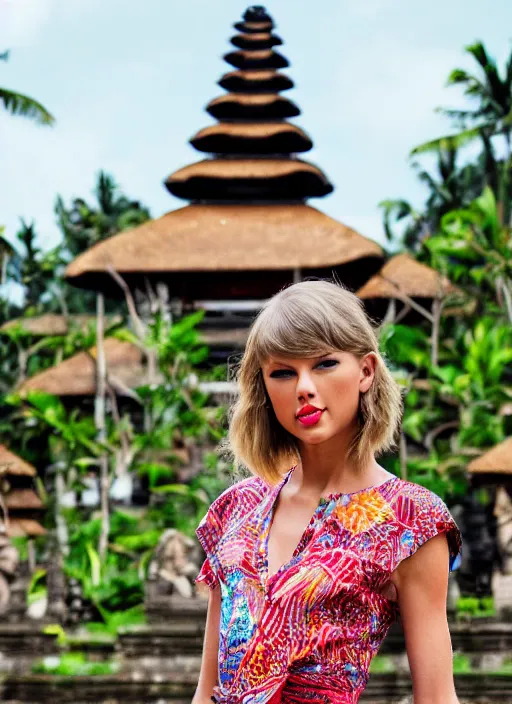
x,y
312,558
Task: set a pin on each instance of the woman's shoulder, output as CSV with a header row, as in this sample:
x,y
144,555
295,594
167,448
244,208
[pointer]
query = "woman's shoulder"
x,y
230,506
244,492
409,494
420,514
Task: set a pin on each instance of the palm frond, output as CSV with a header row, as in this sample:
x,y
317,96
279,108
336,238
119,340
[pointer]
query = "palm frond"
x,y
478,51
106,189
448,142
18,104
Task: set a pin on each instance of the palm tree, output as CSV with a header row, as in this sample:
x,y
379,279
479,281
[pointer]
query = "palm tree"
x,y
492,95
490,115
22,105
450,188
83,225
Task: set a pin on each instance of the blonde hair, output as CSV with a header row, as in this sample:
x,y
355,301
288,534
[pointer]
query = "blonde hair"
x,y
307,319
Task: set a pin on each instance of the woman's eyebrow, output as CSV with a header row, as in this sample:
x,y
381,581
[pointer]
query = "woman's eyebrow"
x,y
287,364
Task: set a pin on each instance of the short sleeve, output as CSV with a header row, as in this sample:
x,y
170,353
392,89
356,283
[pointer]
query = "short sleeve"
x,y
226,511
425,515
208,532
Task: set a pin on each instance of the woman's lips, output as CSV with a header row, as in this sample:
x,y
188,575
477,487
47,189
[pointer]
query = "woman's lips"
x,y
310,418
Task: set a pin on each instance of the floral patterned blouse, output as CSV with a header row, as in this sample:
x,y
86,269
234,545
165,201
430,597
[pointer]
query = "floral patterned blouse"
x,y
308,632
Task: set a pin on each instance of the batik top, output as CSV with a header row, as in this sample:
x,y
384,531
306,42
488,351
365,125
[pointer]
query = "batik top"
x,y
309,631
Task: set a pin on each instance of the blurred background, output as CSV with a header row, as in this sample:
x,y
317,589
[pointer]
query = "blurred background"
x,y
168,167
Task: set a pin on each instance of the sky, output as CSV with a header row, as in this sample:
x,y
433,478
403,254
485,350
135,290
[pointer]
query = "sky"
x,y
127,82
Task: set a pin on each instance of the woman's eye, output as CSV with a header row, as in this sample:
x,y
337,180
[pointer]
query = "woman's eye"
x,y
280,373
328,363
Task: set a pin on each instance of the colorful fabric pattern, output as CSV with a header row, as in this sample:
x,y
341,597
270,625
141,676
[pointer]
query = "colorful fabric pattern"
x,y
307,634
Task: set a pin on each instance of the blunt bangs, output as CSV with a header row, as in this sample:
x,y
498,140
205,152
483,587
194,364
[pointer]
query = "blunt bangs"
x,y
299,324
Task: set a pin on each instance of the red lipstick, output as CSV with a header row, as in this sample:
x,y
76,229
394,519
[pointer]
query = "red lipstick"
x,y
309,415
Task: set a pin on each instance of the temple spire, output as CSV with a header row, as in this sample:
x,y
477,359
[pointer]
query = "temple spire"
x,y
253,147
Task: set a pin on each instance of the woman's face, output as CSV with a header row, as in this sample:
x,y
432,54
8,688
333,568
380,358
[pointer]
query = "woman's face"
x,y
331,384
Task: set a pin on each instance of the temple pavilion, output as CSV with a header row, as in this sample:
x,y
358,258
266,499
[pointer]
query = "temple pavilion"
x,y
247,229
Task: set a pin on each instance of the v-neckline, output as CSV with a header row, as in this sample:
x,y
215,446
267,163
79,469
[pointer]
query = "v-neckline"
x,y
269,520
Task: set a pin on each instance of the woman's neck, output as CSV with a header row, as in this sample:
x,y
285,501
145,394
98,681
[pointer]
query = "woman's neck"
x,y
323,470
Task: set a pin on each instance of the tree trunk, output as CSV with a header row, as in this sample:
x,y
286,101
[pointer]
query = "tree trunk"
x,y
60,521
436,321
99,419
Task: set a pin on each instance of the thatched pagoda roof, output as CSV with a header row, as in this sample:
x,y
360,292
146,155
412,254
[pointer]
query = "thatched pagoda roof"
x,y
252,138
222,238
22,500
76,376
248,232
54,324
253,106
254,27
402,274
498,460
261,179
261,59
256,41
255,82
24,528
11,464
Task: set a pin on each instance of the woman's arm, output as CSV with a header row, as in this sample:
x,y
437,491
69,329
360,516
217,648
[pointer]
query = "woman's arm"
x,y
209,663
422,584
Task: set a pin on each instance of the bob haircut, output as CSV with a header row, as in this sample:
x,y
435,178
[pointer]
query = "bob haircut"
x,y
308,319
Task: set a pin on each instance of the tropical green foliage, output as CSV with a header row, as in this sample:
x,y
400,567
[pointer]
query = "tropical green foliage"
x,y
143,442
41,273
487,117
22,105
84,225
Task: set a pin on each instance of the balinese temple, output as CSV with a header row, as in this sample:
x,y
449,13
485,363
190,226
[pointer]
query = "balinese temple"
x,y
386,295
24,507
247,230
494,466
75,377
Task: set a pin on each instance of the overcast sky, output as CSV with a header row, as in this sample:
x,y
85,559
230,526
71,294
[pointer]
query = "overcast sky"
x,y
127,81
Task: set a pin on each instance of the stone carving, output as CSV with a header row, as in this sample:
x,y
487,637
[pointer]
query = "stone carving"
x,y
174,567
9,560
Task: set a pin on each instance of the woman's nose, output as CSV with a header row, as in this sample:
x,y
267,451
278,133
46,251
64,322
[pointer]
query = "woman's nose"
x,y
305,386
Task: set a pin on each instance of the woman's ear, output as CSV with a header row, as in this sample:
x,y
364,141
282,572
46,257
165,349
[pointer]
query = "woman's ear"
x,y
368,367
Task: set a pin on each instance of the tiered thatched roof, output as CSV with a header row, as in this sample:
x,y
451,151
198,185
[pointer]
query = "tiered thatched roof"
x,y
11,464
273,179
255,82
256,41
245,240
404,275
252,106
250,27
18,497
495,461
252,138
76,376
259,59
232,241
